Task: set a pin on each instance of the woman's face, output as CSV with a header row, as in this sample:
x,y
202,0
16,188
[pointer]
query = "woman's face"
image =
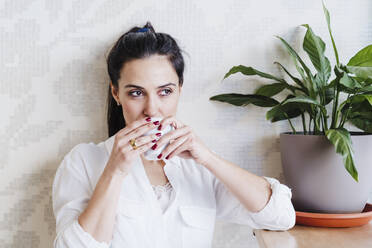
x,y
148,87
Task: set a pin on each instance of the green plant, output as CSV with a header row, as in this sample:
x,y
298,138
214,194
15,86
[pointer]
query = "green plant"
x,y
309,95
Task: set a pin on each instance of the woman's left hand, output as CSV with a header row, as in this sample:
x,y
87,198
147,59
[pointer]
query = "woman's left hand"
x,y
184,143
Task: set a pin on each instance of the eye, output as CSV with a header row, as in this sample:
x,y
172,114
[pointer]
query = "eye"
x,y
168,90
134,92
131,93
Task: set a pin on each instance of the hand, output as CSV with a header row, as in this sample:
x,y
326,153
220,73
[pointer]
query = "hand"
x,y
123,154
184,142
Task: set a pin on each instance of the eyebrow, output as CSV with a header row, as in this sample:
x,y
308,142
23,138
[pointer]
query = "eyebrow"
x,y
139,87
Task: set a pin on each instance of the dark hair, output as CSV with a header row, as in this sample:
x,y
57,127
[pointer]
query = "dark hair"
x,y
136,45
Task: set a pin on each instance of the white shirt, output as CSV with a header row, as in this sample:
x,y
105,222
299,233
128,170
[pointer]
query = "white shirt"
x,y
199,199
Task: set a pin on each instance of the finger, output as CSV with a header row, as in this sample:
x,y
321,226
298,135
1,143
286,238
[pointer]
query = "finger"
x,y
173,135
134,125
174,145
170,120
182,147
143,148
139,149
146,139
141,131
123,140
122,137
138,132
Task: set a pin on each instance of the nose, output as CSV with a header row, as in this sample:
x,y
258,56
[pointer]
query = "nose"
x,y
151,107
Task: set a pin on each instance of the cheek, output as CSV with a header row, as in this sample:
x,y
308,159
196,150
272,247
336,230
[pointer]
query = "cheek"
x,y
171,106
131,109
171,103
131,106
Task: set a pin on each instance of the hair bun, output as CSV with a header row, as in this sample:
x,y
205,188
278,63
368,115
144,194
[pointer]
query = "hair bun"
x,y
149,26
142,30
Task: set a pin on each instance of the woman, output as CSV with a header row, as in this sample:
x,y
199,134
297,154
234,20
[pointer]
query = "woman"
x,y
110,195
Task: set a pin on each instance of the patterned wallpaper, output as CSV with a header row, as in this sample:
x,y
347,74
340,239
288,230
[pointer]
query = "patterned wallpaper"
x,y
54,84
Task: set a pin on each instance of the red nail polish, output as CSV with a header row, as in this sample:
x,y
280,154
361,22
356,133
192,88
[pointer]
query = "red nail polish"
x,y
167,157
154,146
160,155
156,122
148,119
159,128
153,141
158,134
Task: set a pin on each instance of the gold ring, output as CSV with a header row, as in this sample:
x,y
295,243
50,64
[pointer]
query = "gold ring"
x,y
133,143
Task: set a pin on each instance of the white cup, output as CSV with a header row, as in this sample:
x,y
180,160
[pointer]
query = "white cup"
x,y
153,154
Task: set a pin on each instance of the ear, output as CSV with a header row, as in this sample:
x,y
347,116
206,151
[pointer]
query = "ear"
x,y
114,92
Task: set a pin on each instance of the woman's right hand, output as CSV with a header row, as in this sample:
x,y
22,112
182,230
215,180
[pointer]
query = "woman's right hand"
x,y
123,154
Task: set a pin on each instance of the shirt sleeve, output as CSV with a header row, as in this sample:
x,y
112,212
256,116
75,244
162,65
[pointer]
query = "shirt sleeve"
x,y
71,194
278,214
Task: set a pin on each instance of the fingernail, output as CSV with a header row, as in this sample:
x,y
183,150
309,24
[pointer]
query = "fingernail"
x,y
160,155
154,141
167,157
148,119
156,122
154,146
159,128
158,134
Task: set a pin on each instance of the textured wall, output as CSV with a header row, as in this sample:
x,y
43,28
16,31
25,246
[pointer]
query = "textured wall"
x,y
54,83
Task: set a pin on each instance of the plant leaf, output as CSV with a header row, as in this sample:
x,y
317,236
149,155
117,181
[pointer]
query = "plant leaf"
x,y
328,19
249,71
366,89
306,100
361,115
302,99
361,97
296,58
363,124
283,112
329,95
287,110
363,73
315,47
357,104
349,82
243,100
296,80
362,58
270,89
341,139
